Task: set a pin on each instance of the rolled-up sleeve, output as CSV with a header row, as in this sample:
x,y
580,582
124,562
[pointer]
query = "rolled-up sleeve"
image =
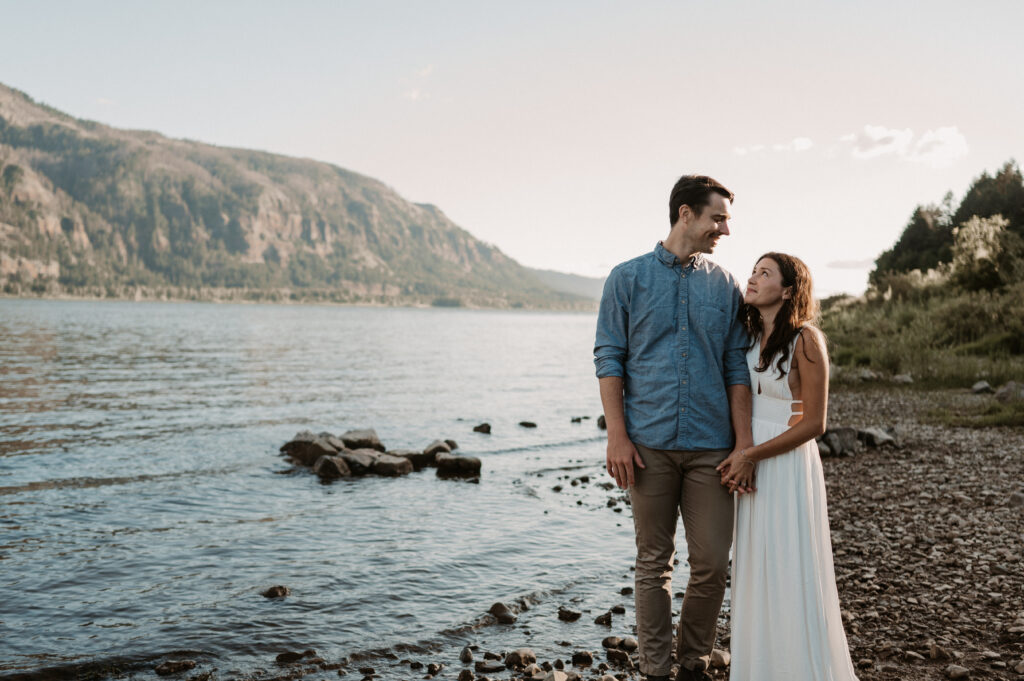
x,y
612,323
736,344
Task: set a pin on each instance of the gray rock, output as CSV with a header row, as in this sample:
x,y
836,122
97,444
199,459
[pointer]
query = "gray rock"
x,y
365,438
602,423
276,592
605,619
981,387
823,448
875,437
1017,500
305,448
436,447
452,444
527,424
904,379
556,675
520,657
484,428
612,642
842,441
331,468
582,658
1011,391
360,461
466,675
629,643
504,615
720,658
619,657
418,459
867,375
489,666
391,465
567,615
452,466
466,656
955,671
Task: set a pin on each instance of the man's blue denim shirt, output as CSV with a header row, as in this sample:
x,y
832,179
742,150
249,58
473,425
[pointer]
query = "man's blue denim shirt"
x,y
672,332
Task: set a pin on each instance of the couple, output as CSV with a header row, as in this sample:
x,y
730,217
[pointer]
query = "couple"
x,y
703,385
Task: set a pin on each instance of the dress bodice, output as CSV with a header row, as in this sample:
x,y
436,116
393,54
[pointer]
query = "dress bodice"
x,y
772,397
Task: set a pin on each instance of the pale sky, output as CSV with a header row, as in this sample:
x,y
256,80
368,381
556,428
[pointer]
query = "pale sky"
x,y
555,130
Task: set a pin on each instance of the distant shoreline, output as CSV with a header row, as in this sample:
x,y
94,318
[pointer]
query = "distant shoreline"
x,y
246,297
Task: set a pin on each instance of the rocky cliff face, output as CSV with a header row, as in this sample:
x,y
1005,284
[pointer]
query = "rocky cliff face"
x,y
84,206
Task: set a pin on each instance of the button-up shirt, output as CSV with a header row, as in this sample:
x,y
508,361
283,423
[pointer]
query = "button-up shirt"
x,y
671,330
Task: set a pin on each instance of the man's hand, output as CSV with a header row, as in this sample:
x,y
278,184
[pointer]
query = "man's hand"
x,y
620,459
737,472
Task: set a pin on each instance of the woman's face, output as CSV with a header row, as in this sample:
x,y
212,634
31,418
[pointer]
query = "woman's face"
x,y
764,287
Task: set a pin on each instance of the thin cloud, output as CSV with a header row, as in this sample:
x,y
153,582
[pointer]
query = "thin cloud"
x,y
797,144
938,148
415,90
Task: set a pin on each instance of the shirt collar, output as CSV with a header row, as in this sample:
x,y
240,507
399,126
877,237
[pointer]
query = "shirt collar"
x,y
671,260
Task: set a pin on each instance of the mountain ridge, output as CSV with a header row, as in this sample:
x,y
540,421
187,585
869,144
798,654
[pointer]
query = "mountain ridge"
x,y
87,208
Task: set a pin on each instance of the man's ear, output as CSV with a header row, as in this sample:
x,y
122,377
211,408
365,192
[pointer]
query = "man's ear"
x,y
685,214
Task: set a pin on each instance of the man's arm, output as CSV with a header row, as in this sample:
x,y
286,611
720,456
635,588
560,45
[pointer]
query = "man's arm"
x,y
737,379
621,453
610,350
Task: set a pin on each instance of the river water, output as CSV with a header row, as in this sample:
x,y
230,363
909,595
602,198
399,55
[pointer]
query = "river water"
x,y
144,506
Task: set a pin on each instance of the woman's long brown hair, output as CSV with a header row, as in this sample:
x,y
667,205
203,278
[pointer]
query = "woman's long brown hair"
x,y
799,309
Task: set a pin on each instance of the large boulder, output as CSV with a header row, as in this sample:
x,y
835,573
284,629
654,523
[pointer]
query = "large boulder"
x,y
392,465
452,466
306,447
331,467
418,459
842,441
360,461
365,438
876,437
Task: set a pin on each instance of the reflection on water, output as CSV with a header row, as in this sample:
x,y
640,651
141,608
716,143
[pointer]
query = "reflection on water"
x,y
143,507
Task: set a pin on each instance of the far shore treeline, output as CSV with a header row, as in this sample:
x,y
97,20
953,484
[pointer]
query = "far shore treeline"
x,y
945,304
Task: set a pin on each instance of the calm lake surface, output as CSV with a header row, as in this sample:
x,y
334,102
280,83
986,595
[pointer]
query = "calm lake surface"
x,y
144,507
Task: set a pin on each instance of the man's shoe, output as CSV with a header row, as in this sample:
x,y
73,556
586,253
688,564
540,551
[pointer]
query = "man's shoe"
x,y
685,674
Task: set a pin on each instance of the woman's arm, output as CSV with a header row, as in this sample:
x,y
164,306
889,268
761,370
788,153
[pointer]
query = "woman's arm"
x,y
812,356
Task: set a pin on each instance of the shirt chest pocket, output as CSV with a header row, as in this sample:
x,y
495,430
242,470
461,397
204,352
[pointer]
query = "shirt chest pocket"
x,y
714,320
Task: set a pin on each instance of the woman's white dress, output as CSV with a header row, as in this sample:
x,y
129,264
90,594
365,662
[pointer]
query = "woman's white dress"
x,y
786,622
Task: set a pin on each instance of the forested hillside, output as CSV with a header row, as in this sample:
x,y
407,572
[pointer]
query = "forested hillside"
x,y
90,209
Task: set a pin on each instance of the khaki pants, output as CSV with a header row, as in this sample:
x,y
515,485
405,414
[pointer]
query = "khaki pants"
x,y
675,483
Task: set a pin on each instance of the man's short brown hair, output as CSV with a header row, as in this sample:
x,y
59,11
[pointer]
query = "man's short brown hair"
x,y
694,191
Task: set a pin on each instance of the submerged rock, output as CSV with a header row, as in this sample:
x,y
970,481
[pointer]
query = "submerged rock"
x,y
174,667
277,592
452,466
520,658
484,428
504,615
567,615
527,424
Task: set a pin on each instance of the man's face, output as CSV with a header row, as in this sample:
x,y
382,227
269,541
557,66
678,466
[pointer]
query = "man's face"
x,y
711,225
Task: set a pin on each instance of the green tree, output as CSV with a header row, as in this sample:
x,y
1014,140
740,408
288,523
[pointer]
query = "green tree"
x,y
986,256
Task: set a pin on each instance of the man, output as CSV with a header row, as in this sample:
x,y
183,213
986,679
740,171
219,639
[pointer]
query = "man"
x,y
670,357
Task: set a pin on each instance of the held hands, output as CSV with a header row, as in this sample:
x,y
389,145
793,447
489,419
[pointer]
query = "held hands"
x,y
738,472
620,459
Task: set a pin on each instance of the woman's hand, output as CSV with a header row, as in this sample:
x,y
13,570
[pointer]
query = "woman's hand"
x,y
738,472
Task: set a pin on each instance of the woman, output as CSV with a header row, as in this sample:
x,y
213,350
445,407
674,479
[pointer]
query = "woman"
x,y
786,622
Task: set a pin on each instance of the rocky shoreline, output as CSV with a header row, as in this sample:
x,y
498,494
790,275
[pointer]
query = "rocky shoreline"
x,y
928,532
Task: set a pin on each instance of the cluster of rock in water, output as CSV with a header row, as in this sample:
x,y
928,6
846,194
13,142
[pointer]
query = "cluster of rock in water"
x,y
360,452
